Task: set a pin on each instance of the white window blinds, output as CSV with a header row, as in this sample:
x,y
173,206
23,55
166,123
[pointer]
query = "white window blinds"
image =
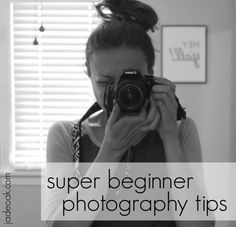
x,y
49,81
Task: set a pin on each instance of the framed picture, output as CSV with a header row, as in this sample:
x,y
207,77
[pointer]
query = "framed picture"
x,y
184,53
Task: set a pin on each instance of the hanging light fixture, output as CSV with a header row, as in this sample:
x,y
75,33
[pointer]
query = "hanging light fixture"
x,y
41,28
35,42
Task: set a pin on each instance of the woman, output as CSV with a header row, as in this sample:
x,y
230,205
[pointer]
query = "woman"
x,y
153,134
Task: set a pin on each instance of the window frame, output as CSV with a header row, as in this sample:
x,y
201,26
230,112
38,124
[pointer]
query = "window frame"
x,y
5,89
25,177
22,177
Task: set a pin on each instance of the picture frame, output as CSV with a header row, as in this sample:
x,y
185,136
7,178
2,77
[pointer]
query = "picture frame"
x,y
184,53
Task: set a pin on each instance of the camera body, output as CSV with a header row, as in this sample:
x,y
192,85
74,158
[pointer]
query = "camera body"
x,y
131,90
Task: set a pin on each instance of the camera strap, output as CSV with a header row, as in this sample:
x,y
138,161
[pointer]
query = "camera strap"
x,y
77,131
181,113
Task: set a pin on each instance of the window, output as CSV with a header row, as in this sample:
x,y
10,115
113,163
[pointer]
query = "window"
x,y
48,80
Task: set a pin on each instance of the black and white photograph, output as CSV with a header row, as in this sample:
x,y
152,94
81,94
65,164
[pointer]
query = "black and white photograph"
x,y
117,113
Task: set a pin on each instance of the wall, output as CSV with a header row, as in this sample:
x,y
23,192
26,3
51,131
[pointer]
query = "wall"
x,y
211,105
25,203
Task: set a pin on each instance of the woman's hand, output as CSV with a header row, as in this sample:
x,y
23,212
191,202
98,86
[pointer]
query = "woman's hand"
x,y
164,105
122,132
164,96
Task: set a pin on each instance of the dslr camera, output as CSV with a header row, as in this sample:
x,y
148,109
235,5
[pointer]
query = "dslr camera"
x,y
130,91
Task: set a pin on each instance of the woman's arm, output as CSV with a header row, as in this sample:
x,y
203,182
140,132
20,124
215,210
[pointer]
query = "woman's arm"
x,y
119,134
59,150
186,148
181,142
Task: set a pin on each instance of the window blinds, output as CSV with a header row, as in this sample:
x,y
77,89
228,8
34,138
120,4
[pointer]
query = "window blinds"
x,y
48,80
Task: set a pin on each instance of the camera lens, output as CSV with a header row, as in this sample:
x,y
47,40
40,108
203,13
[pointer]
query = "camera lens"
x,y
130,98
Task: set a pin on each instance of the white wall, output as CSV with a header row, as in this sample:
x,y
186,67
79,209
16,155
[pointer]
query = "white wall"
x,y
211,105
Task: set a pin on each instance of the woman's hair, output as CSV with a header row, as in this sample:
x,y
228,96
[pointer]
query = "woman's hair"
x,y
126,24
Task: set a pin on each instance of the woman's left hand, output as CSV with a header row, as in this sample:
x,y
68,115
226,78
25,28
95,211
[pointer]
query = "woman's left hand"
x,y
163,103
164,96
